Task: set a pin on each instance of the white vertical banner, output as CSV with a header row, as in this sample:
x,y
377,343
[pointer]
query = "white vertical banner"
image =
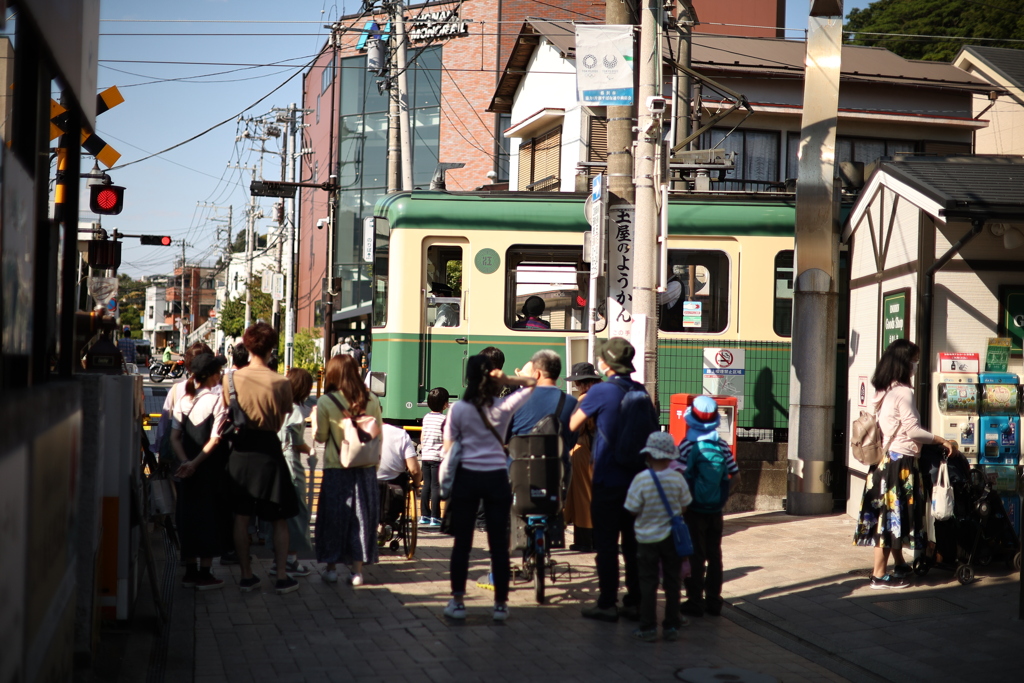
x,y
637,337
604,65
621,230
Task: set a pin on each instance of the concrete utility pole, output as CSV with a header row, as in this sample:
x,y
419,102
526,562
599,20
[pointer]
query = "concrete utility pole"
x,y
645,241
292,216
815,295
620,124
403,95
249,224
681,83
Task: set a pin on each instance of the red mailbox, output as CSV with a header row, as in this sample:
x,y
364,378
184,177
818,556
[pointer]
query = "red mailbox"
x,y
727,406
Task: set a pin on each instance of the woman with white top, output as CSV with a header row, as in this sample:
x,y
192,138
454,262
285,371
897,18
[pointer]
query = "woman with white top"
x,y
892,510
197,422
477,423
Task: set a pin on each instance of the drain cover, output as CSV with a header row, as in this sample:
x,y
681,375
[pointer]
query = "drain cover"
x,y
918,607
723,675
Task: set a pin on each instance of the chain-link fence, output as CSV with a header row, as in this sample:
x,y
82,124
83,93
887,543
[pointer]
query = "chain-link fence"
x,y
765,382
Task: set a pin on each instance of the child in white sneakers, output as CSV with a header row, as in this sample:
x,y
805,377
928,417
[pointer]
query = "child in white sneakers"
x,y
431,442
655,546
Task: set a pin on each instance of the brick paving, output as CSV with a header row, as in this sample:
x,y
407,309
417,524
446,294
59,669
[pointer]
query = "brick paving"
x,y
800,610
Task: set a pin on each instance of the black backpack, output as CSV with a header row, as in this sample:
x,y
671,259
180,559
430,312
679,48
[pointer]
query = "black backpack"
x,y
638,420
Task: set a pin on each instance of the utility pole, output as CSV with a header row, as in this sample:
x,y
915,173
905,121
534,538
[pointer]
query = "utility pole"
x,y
686,17
620,125
249,223
645,243
812,378
403,95
292,154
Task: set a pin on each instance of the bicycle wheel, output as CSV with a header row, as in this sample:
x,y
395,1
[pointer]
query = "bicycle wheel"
x,y
410,528
539,565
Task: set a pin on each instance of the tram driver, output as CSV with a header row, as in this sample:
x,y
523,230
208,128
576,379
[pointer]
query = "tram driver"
x,y
447,314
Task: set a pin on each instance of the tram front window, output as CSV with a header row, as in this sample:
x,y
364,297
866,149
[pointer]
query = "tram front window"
x,y
444,286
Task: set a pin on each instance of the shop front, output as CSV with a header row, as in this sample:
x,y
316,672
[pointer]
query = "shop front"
x,y
936,257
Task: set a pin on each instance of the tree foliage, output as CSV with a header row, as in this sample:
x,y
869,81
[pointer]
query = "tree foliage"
x,y
962,20
232,313
305,351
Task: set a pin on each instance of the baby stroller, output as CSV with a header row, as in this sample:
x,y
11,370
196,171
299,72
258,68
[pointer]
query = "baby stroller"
x,y
980,530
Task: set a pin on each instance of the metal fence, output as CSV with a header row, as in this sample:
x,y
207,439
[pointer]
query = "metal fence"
x,y
765,412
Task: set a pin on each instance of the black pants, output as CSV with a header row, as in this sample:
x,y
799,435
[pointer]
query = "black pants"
x,y
611,520
430,496
651,556
470,488
704,587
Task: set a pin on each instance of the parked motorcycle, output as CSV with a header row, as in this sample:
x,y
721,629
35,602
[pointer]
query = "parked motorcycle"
x,y
159,370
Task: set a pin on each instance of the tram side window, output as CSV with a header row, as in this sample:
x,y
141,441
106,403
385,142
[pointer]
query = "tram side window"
x,y
697,297
782,320
546,288
444,286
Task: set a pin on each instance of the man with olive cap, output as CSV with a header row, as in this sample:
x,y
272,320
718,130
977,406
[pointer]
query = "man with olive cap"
x,y
611,484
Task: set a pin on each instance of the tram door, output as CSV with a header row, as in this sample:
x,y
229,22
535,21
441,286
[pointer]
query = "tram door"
x,y
444,334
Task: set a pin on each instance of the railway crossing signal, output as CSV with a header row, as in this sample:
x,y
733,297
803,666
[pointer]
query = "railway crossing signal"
x,y
106,200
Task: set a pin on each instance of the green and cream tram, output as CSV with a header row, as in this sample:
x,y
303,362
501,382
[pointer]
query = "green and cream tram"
x,y
453,273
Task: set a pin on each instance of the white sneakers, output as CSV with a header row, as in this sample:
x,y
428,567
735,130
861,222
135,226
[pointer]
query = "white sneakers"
x,y
500,611
355,580
330,576
455,609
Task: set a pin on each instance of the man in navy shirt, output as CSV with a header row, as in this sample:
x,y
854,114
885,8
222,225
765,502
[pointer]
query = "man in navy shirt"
x,y
611,484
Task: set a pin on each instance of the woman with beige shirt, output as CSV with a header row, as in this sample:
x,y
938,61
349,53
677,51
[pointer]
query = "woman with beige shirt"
x,y
348,509
892,509
260,481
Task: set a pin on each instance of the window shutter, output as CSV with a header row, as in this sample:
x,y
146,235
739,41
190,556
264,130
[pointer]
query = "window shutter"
x,y
547,157
597,149
525,164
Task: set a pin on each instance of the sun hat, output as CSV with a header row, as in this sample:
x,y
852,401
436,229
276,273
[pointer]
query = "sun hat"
x,y
661,446
206,365
582,372
702,419
618,354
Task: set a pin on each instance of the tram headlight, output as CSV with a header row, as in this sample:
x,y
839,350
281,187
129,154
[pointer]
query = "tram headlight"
x,y
379,383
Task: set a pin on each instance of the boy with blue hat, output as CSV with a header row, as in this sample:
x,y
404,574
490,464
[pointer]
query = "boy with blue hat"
x,y
709,466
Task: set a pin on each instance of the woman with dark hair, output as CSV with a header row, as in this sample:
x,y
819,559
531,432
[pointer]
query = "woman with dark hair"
x,y
477,423
197,422
258,474
348,509
892,509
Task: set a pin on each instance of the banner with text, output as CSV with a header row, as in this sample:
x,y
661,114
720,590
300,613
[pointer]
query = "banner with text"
x,y
604,65
621,229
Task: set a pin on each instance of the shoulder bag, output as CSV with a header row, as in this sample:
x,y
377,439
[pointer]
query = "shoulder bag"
x,y
360,438
680,532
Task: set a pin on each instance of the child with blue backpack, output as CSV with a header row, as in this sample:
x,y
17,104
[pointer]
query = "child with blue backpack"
x,y
708,465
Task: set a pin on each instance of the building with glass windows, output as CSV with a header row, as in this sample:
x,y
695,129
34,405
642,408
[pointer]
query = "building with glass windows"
x,y
456,51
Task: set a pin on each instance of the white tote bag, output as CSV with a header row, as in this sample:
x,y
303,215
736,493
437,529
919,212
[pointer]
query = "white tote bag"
x,y
942,496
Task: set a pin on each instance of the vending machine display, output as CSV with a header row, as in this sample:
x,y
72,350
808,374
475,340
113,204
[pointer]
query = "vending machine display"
x,y
964,430
1000,438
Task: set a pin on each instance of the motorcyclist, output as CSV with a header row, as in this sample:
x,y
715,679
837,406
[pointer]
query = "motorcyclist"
x,y
169,353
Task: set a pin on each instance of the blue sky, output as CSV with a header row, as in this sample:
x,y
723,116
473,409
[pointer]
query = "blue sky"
x,y
163,192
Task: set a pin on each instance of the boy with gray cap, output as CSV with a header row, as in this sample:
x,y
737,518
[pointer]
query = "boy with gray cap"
x,y
655,545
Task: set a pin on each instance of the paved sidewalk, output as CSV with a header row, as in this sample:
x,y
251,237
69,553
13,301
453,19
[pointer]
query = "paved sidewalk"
x,y
801,611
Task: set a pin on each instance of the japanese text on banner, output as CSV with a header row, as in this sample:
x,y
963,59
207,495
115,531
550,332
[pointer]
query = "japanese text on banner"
x,y
621,230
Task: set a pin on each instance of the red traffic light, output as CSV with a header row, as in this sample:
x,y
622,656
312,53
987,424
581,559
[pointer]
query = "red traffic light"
x,y
156,240
106,200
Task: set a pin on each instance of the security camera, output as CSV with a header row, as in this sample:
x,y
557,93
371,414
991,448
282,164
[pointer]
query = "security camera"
x,y
321,223
656,105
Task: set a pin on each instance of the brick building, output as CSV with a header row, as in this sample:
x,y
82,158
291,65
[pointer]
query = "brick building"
x,y
456,52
